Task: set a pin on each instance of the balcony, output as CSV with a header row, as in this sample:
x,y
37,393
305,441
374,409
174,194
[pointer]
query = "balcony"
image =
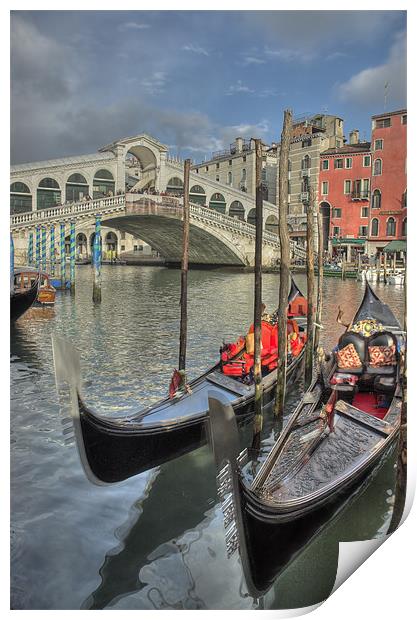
x,y
360,195
304,196
305,173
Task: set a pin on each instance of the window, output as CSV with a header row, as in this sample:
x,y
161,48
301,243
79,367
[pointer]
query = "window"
x,y
305,143
365,188
325,164
338,163
217,177
337,212
196,170
122,248
325,188
229,178
377,167
289,165
378,145
348,163
381,123
363,231
366,161
404,228
336,231
230,162
244,158
374,227
348,186
364,212
217,166
305,185
306,162
404,119
123,235
376,199
20,198
391,227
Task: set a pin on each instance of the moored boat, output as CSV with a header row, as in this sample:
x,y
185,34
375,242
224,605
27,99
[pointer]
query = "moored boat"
x,y
22,299
24,279
113,449
343,427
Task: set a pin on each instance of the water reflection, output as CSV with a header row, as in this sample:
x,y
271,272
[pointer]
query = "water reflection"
x,y
157,540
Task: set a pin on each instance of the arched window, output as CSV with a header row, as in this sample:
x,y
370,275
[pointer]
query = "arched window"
x,y
271,224
81,244
374,227
48,194
229,178
252,217
103,184
376,199
391,227
175,186
198,195
404,228
20,198
377,167
306,162
218,203
237,210
76,188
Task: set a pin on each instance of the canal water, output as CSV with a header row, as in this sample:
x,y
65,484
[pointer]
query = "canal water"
x,y
155,541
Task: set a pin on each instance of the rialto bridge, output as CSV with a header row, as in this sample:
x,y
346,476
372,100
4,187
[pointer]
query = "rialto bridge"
x,y
137,189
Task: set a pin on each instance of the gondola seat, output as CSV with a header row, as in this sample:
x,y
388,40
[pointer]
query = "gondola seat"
x,y
382,356
351,353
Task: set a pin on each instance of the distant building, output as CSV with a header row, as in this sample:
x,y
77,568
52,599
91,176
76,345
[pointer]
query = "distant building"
x,y
388,209
344,193
235,166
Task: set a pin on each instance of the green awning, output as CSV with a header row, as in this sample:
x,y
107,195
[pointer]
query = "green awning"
x,y
397,245
348,240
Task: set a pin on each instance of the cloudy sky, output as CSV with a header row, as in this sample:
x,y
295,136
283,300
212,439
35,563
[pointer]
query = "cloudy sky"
x,y
195,80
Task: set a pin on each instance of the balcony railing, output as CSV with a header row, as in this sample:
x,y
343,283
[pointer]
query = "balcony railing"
x,y
304,196
305,172
360,195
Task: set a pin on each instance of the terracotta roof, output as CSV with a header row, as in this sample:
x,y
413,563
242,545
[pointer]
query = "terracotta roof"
x,y
361,147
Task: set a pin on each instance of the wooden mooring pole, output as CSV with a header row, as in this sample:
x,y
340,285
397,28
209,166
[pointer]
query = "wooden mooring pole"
x,y
184,266
63,263
72,257
319,309
96,260
401,471
257,306
308,375
284,272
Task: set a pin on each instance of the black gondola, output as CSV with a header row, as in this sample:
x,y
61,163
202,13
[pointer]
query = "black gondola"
x,y
339,433
114,449
21,300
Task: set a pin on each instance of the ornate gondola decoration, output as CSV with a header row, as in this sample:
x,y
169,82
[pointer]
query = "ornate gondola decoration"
x,y
319,460
113,449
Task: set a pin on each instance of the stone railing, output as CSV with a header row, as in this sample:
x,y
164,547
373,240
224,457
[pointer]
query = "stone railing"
x,y
75,210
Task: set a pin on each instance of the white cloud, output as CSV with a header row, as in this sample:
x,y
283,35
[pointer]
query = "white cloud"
x,y
195,49
133,26
290,55
368,86
253,60
155,83
239,87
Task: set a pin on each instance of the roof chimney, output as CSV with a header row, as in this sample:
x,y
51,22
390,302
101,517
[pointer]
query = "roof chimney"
x,y
239,144
354,136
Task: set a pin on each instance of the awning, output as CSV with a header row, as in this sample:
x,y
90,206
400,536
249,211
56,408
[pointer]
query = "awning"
x,y
348,241
397,245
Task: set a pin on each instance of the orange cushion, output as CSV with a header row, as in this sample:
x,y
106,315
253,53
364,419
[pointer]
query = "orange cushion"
x,y
348,357
382,356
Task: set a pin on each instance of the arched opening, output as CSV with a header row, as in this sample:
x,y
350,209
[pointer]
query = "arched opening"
x,y
48,194
376,199
391,227
271,224
198,195
110,245
325,214
218,203
374,227
20,198
404,228
237,210
306,162
141,167
175,186
81,245
76,188
103,184
252,217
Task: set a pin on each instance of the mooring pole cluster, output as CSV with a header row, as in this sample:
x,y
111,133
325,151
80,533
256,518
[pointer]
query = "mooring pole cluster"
x,y
52,250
